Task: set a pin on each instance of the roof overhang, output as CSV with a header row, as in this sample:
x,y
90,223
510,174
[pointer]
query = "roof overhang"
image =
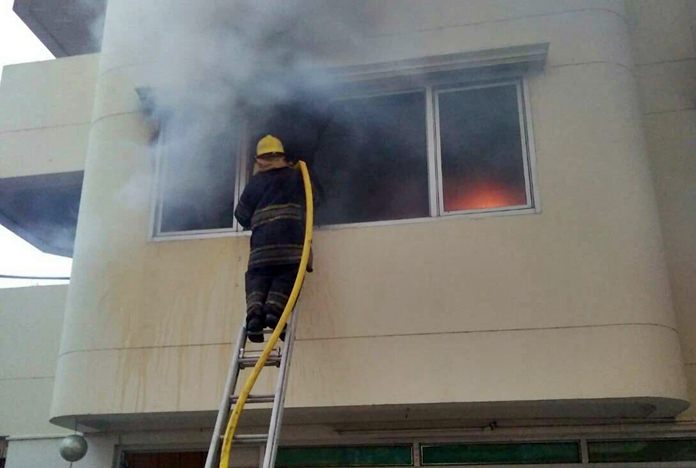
x,y
42,209
408,420
65,27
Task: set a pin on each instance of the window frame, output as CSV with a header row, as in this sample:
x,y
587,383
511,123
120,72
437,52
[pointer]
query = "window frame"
x,y
432,89
437,91
158,187
456,435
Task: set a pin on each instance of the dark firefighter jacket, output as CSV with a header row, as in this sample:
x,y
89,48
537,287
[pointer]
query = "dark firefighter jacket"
x,y
273,206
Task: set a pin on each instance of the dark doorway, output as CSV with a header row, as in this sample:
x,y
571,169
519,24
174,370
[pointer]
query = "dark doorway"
x,y
164,460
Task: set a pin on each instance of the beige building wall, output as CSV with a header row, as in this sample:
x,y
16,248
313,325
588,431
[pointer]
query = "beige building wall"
x,y
664,35
32,320
571,303
45,113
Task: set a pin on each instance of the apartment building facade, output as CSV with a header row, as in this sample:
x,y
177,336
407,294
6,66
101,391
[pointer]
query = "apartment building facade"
x,y
504,259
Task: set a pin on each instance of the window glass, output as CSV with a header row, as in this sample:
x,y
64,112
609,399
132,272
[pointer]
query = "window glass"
x,y
198,176
371,160
481,150
368,155
642,451
500,453
168,459
397,455
299,123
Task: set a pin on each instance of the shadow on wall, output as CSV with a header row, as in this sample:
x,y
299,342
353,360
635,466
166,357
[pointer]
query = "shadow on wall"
x,y
43,209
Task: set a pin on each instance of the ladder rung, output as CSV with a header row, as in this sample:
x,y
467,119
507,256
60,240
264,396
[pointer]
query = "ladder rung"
x,y
250,361
251,438
256,398
256,353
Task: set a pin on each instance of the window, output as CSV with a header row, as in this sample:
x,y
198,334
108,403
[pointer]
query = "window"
x,y
642,451
172,457
481,152
346,456
198,180
3,452
372,160
376,155
168,459
500,453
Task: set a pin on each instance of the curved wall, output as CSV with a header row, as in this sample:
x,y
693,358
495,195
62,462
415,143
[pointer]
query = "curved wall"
x,y
568,304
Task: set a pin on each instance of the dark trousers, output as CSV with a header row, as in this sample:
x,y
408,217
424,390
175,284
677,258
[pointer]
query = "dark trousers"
x,y
268,289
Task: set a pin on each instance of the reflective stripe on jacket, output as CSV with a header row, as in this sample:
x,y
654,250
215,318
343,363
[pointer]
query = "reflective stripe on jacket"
x,y
273,206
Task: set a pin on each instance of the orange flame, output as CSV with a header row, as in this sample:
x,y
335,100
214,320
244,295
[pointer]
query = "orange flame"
x,y
483,195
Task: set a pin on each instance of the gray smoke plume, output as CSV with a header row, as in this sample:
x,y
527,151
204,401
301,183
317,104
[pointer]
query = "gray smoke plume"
x,y
222,71
93,12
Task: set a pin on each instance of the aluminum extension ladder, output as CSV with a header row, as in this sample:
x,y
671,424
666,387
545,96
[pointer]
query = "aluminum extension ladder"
x,y
242,359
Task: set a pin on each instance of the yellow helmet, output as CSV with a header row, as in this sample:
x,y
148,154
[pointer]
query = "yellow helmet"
x,y
269,144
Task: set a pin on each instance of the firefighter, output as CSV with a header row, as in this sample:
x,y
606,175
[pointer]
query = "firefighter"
x,y
273,206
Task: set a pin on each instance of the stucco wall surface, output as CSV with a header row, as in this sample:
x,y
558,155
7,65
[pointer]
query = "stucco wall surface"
x,y
31,453
576,296
31,321
45,111
665,51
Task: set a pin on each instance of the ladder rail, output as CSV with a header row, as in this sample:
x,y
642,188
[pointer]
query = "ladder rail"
x,y
223,412
251,379
284,318
279,403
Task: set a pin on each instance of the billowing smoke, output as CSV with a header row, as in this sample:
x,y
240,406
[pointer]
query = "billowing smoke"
x,y
91,11
223,74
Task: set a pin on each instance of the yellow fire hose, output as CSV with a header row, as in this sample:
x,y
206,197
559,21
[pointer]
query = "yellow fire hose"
x,y
273,339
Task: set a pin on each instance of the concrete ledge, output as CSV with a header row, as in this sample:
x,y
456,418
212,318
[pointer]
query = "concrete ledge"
x,y
630,371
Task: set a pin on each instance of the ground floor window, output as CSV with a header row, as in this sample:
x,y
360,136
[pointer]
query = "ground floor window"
x,y
164,460
347,456
500,453
617,453
624,451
